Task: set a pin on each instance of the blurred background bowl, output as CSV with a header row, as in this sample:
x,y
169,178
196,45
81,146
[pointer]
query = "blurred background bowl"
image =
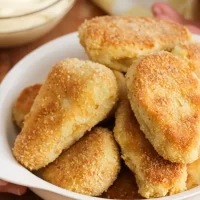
x,y
18,29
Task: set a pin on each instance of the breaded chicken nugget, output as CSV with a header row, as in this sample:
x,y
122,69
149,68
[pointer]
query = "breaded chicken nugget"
x,y
191,53
193,171
121,82
155,176
165,96
24,102
117,41
75,96
88,167
125,187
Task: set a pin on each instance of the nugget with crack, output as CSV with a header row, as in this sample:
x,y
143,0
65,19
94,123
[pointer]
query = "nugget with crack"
x,y
116,41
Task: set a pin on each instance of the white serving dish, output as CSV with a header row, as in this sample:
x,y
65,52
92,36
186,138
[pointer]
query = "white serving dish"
x,y
30,70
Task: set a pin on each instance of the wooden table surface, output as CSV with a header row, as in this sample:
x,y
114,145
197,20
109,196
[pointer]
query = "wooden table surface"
x,y
83,9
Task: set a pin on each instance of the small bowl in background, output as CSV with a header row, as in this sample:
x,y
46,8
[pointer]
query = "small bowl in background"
x,y
25,27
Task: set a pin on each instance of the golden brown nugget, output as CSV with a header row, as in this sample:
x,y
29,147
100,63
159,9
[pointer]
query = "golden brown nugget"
x,y
24,103
117,41
125,187
75,97
191,53
165,96
121,82
193,171
89,167
155,176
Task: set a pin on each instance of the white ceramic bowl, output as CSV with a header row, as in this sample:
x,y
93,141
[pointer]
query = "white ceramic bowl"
x,y
30,70
24,28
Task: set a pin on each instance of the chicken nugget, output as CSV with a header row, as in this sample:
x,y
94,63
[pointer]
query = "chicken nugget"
x,y
121,82
88,167
116,41
164,93
193,170
155,176
24,103
191,53
75,97
125,187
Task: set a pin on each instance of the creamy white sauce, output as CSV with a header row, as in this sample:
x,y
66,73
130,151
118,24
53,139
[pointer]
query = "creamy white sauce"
x,y
9,8
21,30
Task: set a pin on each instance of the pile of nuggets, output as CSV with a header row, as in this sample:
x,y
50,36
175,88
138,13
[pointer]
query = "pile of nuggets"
x,y
144,74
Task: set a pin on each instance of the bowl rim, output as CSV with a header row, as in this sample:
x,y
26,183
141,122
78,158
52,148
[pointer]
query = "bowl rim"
x,y
32,12
188,194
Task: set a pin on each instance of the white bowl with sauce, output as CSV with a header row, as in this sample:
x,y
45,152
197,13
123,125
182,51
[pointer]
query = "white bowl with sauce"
x,y
30,70
23,21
